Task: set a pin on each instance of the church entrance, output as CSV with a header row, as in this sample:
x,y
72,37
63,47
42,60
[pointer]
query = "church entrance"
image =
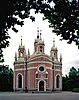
x,y
41,86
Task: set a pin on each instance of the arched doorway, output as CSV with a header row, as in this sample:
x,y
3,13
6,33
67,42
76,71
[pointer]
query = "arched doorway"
x,y
41,86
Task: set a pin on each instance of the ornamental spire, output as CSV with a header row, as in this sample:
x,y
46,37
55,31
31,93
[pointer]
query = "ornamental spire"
x,y
53,42
21,40
15,56
61,58
38,32
28,53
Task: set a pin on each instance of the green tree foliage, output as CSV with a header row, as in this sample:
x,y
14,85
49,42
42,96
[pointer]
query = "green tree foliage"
x,y
12,12
6,78
72,80
64,19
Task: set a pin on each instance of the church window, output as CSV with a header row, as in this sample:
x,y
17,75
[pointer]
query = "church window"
x,y
41,68
36,75
57,81
46,75
40,48
19,81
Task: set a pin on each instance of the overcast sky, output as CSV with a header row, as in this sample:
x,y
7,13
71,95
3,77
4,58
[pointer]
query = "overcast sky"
x,y
70,52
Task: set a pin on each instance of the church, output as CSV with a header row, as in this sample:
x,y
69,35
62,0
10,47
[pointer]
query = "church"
x,y
39,71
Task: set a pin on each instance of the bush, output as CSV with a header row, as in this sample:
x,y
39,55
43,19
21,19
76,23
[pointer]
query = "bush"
x,y
75,90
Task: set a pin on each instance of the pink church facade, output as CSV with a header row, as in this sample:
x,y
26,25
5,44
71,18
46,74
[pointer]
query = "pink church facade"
x,y
39,71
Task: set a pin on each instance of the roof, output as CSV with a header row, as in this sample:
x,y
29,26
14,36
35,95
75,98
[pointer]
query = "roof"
x,y
39,57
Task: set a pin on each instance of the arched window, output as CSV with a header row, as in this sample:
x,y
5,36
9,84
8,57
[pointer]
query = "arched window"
x,y
19,81
36,75
57,81
40,48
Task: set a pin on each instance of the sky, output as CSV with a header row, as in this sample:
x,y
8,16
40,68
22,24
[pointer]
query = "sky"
x,y
70,52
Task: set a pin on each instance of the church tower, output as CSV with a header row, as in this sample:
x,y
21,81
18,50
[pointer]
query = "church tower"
x,y
57,67
20,68
54,52
39,43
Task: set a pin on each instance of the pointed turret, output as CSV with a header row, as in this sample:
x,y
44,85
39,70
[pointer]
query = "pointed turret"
x,y
61,58
38,33
53,42
21,52
54,51
39,44
21,45
28,53
15,56
21,40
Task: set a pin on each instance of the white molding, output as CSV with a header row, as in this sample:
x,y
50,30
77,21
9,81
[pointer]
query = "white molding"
x,y
14,81
21,63
20,69
39,62
30,68
24,77
57,70
41,78
57,65
49,68
40,66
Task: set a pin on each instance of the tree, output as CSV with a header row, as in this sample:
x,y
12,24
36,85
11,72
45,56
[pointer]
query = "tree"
x,y
72,80
12,12
6,78
64,83
64,19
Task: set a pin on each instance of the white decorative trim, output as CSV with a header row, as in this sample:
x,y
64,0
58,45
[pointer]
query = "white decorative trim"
x,y
30,68
20,69
51,80
57,65
44,84
39,62
36,72
17,64
42,66
42,78
24,77
46,72
14,80
57,70
17,80
49,68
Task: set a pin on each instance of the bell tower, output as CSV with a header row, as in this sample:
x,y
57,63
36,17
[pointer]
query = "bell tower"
x,y
20,65
54,51
21,52
39,43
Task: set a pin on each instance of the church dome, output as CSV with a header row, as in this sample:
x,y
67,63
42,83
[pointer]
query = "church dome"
x,y
53,48
40,41
39,57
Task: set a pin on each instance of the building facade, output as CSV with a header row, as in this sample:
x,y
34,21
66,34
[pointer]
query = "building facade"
x,y
39,71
